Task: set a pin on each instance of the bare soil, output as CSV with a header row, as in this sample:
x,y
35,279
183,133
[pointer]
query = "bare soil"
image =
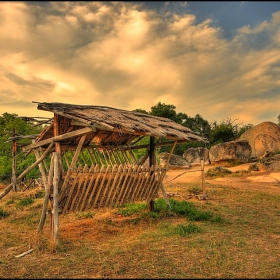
x,y
254,180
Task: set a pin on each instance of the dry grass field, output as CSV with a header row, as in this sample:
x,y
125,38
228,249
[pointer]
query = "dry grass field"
x,y
234,232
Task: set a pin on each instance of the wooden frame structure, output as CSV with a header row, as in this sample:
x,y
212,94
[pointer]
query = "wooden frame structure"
x,y
86,158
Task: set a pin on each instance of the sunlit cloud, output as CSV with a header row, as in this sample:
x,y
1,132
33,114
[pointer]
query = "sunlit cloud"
x,y
120,55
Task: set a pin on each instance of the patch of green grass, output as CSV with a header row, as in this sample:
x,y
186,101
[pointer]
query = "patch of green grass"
x,y
129,209
26,201
3,214
86,215
184,230
10,201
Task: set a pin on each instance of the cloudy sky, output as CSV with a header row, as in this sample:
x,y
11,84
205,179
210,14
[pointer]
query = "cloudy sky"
x,y
217,59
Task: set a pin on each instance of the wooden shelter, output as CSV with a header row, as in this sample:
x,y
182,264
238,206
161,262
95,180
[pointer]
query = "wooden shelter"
x,y
88,153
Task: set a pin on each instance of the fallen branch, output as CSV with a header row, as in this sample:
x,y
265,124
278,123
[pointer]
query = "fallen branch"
x,y
25,253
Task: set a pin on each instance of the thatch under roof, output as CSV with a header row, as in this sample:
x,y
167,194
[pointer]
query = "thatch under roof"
x,y
120,121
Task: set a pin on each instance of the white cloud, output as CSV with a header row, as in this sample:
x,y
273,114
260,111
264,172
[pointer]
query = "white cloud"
x,y
115,54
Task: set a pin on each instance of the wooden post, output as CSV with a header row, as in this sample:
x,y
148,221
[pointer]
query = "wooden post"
x,y
41,168
201,154
14,151
55,220
47,195
56,132
56,178
152,161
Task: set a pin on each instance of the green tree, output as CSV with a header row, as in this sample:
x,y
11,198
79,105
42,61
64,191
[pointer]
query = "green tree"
x,y
10,123
196,124
226,130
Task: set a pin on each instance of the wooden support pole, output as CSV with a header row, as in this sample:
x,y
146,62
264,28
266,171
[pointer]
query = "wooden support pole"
x,y
55,220
14,152
47,196
201,154
41,168
56,133
152,162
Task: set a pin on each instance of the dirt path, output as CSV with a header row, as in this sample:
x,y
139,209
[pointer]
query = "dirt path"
x,y
255,180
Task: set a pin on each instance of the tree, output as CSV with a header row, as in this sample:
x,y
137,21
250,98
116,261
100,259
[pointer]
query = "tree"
x,y
8,124
196,124
226,130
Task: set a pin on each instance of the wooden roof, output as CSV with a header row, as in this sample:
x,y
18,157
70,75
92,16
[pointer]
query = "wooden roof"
x,y
106,126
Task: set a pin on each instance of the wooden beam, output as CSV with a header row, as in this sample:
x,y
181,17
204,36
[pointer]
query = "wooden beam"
x,y
61,137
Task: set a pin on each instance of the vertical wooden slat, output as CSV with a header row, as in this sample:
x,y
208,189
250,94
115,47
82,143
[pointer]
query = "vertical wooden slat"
x,y
81,178
101,186
127,171
151,186
93,176
90,204
115,176
121,172
138,184
106,186
84,189
71,189
146,172
128,185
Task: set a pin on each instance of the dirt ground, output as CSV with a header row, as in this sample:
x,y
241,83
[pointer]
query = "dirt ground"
x,y
255,180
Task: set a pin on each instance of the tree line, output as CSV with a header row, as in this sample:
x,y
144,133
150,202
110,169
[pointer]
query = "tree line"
x,y
215,132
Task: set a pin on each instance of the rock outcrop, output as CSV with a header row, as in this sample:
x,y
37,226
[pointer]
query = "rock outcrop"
x,y
192,155
232,150
263,138
174,162
270,163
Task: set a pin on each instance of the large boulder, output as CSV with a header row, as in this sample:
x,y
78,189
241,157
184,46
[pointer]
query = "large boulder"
x,y
232,150
270,163
174,162
193,155
263,138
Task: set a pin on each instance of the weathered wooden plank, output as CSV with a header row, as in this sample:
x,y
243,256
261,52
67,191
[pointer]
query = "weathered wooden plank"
x,y
58,138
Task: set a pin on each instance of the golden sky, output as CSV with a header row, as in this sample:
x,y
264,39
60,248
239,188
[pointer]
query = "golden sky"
x,y
120,55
